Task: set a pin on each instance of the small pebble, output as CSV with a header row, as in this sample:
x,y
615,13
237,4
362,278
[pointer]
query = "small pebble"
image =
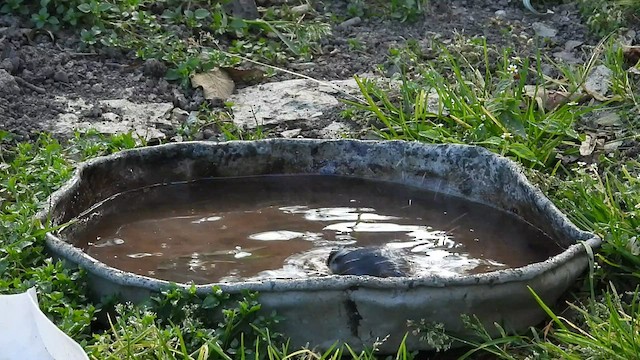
x,y
291,133
47,72
301,9
7,65
351,22
179,115
179,100
544,30
8,84
163,85
27,74
97,88
61,76
572,44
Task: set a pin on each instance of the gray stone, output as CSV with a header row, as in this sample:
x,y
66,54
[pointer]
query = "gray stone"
x,y
97,88
628,38
163,86
8,65
61,76
544,30
350,22
47,72
27,74
567,56
612,146
598,82
572,44
145,120
335,130
501,13
605,119
289,134
302,9
8,84
179,100
290,100
178,115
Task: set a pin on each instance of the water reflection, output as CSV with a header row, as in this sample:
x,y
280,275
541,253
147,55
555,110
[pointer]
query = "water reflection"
x,y
286,226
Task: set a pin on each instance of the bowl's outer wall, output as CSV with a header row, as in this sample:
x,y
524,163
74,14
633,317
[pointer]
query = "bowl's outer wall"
x,y
355,310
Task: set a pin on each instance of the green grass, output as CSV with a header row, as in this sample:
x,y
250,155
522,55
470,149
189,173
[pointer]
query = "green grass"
x,y
504,106
605,328
489,98
30,172
178,324
606,16
606,202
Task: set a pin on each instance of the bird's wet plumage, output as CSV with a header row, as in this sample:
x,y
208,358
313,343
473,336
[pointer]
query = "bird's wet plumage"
x,y
367,261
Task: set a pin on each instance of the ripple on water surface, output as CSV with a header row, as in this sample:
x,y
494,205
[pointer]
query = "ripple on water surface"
x,y
231,229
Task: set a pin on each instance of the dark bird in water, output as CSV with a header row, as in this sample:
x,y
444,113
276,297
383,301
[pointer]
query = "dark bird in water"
x,y
372,261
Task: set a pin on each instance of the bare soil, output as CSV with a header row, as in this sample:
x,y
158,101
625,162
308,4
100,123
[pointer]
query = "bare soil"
x,y
38,68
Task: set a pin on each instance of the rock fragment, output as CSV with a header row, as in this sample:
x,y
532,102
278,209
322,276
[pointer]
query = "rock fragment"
x,y
8,84
544,30
61,76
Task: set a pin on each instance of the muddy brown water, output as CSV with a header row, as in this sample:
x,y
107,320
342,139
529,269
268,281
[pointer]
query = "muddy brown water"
x,y
233,229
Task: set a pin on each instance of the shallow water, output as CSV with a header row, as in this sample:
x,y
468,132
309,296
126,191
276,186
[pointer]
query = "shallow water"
x,y
231,229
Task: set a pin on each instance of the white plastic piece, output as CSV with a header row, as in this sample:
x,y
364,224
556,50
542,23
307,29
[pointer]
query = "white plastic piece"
x,y
27,333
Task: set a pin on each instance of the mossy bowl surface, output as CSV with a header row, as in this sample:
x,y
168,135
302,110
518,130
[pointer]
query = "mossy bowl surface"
x,y
357,310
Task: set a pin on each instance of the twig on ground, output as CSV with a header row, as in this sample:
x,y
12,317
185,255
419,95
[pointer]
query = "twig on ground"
x,y
29,85
83,54
113,64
